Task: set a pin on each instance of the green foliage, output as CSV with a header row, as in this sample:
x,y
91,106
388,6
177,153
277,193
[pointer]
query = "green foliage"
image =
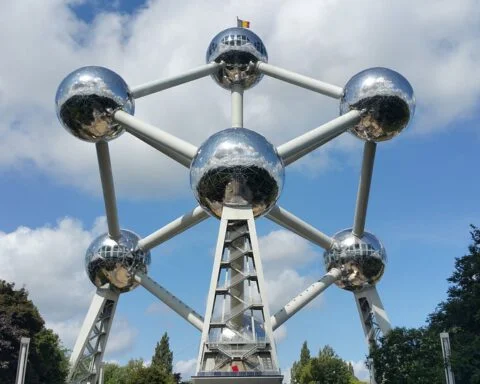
x,y
135,372
163,356
327,368
47,362
414,355
408,356
460,314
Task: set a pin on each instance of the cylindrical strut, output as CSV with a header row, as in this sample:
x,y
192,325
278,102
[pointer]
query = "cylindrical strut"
x,y
304,298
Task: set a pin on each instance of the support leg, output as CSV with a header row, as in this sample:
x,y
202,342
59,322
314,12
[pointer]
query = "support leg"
x,y
87,355
373,317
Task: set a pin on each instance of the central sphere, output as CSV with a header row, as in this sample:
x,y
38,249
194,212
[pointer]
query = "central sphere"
x,y
236,48
237,167
110,261
362,260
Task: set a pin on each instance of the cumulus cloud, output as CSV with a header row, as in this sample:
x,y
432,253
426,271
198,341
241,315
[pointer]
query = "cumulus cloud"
x,y
360,369
283,253
49,262
186,367
280,334
426,42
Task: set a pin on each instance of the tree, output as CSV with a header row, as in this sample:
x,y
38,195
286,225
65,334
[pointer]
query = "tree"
x,y
163,356
460,314
327,368
19,317
408,356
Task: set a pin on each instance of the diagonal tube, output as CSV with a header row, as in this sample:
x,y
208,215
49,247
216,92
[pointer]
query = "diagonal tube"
x,y
172,229
106,177
306,143
304,298
291,222
172,146
170,300
160,85
300,80
364,188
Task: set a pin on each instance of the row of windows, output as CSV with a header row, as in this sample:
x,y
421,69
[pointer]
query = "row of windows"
x,y
237,40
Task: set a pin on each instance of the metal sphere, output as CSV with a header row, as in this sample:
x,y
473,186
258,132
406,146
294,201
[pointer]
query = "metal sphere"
x,y
362,259
237,48
110,261
86,100
385,97
237,167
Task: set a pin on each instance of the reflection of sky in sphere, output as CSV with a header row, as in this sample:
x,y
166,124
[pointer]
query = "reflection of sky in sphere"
x,y
240,39
94,80
377,82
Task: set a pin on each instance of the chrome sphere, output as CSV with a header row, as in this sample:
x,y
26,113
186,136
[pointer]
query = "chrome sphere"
x,y
237,48
362,259
385,97
86,100
237,167
110,261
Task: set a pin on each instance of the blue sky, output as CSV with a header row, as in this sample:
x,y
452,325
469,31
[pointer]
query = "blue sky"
x,y
425,187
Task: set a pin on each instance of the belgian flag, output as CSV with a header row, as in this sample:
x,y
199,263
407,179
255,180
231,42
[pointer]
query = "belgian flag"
x,y
243,23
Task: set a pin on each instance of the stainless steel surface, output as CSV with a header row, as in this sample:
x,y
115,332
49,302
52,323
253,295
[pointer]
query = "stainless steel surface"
x,y
237,167
363,193
86,100
160,85
114,262
362,260
291,222
304,144
170,145
300,80
386,99
108,188
237,48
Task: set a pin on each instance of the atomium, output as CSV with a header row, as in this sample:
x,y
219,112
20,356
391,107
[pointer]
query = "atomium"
x,y
362,260
237,48
236,175
386,99
111,261
237,167
86,100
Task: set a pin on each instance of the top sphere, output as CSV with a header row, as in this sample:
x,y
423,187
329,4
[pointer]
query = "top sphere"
x,y
237,48
385,97
110,261
237,167
86,100
362,260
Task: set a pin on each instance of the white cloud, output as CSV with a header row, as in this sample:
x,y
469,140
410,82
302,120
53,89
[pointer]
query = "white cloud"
x,y
49,262
427,42
360,369
186,367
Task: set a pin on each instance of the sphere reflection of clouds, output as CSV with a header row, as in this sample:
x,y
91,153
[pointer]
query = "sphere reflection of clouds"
x,y
237,48
362,259
110,261
86,100
237,167
387,100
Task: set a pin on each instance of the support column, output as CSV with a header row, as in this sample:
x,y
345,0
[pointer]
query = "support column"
x,y
87,355
373,317
237,339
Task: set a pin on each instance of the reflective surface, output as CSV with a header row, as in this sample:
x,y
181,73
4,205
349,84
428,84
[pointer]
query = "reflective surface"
x,y
237,47
86,100
387,99
363,259
237,167
109,261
